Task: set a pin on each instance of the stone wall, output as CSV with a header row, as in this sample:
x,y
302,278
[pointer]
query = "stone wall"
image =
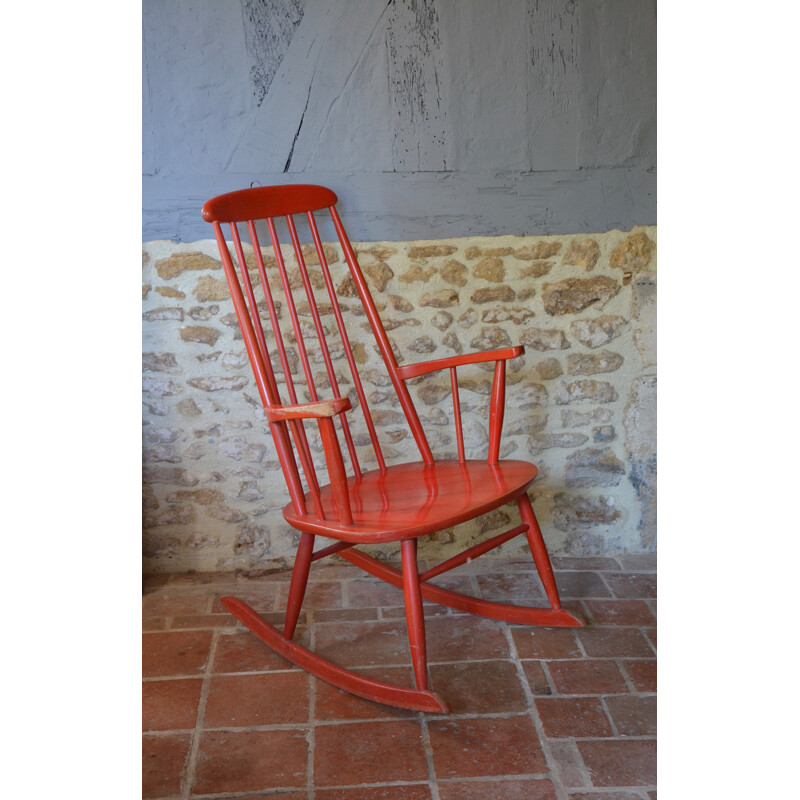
x,y
580,401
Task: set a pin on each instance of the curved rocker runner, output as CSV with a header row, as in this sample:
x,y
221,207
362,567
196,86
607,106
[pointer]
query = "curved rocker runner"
x,y
393,503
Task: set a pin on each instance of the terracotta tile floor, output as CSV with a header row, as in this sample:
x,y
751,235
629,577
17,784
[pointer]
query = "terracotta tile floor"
x,y
537,713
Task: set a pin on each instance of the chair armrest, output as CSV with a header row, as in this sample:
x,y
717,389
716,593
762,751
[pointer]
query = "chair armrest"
x,y
322,408
424,367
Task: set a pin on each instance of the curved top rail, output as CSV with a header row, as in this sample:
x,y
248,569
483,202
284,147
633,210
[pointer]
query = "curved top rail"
x,y
267,201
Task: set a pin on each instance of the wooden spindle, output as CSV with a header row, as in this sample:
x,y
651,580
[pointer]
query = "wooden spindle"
x,y
457,414
497,411
382,340
282,444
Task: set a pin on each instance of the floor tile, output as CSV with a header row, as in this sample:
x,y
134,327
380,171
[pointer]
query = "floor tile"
x,y
167,603
409,791
369,752
170,705
317,595
259,598
520,588
571,717
633,715
532,789
632,585
480,747
614,643
453,637
243,652
546,643
150,583
479,687
642,674
272,698
345,614
620,612
363,644
399,612
569,764
634,562
249,761
333,704
618,762
584,562
372,592
593,689
163,761
174,653
536,677
581,585
587,677
203,621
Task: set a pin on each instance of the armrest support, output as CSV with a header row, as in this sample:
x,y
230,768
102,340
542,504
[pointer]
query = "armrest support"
x,y
322,408
424,367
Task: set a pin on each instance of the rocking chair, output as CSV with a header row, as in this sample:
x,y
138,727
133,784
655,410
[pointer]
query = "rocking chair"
x,y
392,503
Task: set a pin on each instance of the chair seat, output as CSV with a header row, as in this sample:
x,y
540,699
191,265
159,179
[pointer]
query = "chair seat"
x,y
409,500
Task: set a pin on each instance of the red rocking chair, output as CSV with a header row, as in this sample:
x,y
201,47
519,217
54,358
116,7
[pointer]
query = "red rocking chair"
x,y
397,503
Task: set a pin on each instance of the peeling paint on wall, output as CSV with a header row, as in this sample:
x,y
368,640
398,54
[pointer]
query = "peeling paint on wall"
x,y
413,44
269,26
428,117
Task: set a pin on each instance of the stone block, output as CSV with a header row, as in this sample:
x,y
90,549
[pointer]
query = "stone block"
x,y
498,294
596,332
200,334
454,272
594,466
575,294
593,363
573,512
174,265
444,298
582,253
582,390
209,289
545,339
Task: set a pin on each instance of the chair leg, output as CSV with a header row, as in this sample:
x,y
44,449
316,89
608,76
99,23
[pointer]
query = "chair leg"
x,y
415,619
539,550
297,588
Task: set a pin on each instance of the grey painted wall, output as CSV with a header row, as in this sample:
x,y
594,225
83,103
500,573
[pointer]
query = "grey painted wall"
x,y
429,118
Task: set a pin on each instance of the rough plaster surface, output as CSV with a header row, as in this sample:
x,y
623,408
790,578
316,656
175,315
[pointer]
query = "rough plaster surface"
x,y
580,402
430,118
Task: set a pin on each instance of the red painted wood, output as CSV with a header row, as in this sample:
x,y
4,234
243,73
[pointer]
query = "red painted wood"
x,y
320,330
384,345
322,408
331,549
297,587
267,201
414,499
280,437
539,550
401,697
525,615
398,502
336,473
472,552
424,367
415,621
348,350
457,414
289,298
497,411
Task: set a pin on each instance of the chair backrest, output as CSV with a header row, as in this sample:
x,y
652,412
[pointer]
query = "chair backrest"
x,y
272,355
